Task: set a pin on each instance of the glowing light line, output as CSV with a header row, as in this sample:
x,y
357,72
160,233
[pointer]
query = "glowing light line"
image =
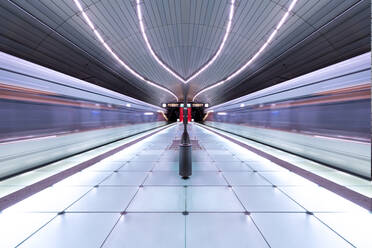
x,y
114,55
254,57
205,66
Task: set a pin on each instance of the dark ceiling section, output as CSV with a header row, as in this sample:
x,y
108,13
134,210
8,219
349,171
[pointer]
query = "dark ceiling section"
x,y
348,34
26,36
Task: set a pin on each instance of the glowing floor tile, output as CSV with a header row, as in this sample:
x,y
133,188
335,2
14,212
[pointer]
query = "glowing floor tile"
x,y
137,166
106,165
221,230
52,199
123,156
159,199
164,166
266,199
201,159
354,227
168,178
212,199
146,158
125,178
85,178
212,145
285,178
210,168
165,230
105,199
233,166
214,152
175,167
172,178
16,227
244,178
265,166
287,230
200,156
151,152
242,153
318,199
74,230
174,157
224,158
199,164
206,178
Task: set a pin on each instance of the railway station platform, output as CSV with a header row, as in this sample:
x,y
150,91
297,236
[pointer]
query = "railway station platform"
x,y
135,198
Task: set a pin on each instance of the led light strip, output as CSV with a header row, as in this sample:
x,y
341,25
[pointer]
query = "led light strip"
x,y
200,70
271,37
113,54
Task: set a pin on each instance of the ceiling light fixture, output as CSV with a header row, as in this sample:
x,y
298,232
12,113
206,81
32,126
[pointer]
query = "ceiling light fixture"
x,y
153,54
254,57
160,62
114,55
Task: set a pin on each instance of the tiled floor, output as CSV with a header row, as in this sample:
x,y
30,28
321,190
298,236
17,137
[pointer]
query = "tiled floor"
x,y
233,199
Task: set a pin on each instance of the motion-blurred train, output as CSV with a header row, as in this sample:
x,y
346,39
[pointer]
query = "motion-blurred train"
x,y
324,115
46,115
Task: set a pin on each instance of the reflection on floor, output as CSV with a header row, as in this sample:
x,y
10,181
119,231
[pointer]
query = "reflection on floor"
x,y
233,199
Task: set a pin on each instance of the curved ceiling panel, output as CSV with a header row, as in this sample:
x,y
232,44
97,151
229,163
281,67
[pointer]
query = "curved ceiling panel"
x,y
322,34
185,34
254,22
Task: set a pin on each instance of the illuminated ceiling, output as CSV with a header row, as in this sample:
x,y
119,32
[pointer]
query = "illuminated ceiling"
x,y
165,42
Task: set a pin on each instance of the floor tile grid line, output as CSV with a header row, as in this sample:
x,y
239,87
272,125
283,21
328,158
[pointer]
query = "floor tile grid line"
x,y
37,230
125,209
282,212
57,214
191,211
307,212
124,163
338,234
186,186
183,212
329,184
241,203
62,212
195,185
39,186
185,216
185,231
104,179
305,209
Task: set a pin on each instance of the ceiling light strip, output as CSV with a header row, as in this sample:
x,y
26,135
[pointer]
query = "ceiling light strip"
x,y
149,47
258,53
113,54
200,70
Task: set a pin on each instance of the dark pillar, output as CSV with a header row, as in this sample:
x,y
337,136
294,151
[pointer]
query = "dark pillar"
x,y
185,159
